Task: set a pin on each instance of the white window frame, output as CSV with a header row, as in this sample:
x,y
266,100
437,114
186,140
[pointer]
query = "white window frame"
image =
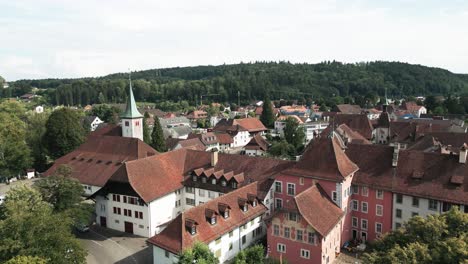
x,y
381,196
362,207
357,188
355,205
377,210
281,186
278,199
293,188
362,224
365,191
334,196
357,222
305,253
281,248
376,229
432,208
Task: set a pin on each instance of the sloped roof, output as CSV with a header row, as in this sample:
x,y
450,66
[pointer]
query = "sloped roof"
x,y
257,143
96,160
351,135
349,109
251,124
431,141
131,110
193,143
318,210
357,122
324,158
176,237
295,117
224,138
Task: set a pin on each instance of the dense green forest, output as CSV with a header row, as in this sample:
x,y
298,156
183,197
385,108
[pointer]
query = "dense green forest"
x,y
253,81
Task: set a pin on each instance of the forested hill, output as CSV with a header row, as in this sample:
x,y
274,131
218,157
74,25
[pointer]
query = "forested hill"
x,y
255,80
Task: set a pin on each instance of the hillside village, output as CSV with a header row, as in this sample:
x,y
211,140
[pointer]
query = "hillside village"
x,y
362,173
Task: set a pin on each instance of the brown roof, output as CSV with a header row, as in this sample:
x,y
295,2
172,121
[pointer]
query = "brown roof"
x,y
206,138
251,124
324,158
96,160
257,143
433,141
197,114
177,237
348,109
295,117
192,143
350,135
146,175
171,143
318,210
224,138
357,122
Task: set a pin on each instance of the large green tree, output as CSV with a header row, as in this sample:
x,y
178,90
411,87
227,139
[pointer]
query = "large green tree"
x,y
29,227
294,133
434,239
26,260
36,128
64,132
251,255
14,153
146,129
157,136
199,253
267,117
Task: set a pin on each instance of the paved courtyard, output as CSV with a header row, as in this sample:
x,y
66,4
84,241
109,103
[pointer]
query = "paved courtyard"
x,y
109,246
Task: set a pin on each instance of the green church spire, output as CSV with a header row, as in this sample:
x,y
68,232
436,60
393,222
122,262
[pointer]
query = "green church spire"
x,y
131,110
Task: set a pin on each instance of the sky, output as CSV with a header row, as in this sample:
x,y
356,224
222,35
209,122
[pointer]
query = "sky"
x,y
70,39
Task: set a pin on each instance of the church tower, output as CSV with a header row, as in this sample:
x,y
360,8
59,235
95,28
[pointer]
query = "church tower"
x,y
382,130
132,120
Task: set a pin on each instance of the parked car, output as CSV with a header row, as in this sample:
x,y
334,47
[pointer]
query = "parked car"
x,y
82,228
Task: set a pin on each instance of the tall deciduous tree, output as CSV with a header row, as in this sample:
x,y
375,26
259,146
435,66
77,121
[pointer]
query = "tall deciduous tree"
x,y
146,131
157,136
267,117
29,227
294,133
251,255
199,253
26,260
36,128
64,132
14,153
435,239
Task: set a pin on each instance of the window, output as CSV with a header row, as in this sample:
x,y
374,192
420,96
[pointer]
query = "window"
x,y
378,228
234,185
397,225
292,217
213,181
203,179
218,241
399,198
244,239
334,196
117,221
299,235
194,178
305,253
433,205
413,214
415,202
231,233
364,207
127,123
117,210
301,180
365,191
278,187
177,203
177,192
355,189
276,230
138,215
223,183
193,230
189,190
201,193
355,205
127,212
379,210
116,198
166,253
190,201
278,203
398,213
211,194
286,232
291,189
379,194
311,238
355,222
281,248
364,224
103,208
230,246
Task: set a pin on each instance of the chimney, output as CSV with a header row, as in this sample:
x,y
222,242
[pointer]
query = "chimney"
x,y
396,150
463,153
214,157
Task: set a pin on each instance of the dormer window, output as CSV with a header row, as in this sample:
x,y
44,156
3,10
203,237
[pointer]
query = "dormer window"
x,y
245,208
223,183
243,204
234,185
226,214
213,181
194,178
254,203
252,199
191,226
213,220
203,179
193,230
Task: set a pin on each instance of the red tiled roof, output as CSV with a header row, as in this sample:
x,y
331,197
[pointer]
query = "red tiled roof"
x,y
433,141
251,124
351,135
192,143
324,158
349,109
176,237
96,160
357,122
257,143
224,138
318,210
295,117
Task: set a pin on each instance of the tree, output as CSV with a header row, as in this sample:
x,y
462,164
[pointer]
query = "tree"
x,y
63,132
157,136
26,260
282,149
36,128
146,130
60,190
29,227
435,239
267,117
251,255
199,253
294,133
105,112
14,153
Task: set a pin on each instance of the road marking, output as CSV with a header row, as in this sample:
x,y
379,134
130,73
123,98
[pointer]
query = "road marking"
x,y
97,243
107,238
